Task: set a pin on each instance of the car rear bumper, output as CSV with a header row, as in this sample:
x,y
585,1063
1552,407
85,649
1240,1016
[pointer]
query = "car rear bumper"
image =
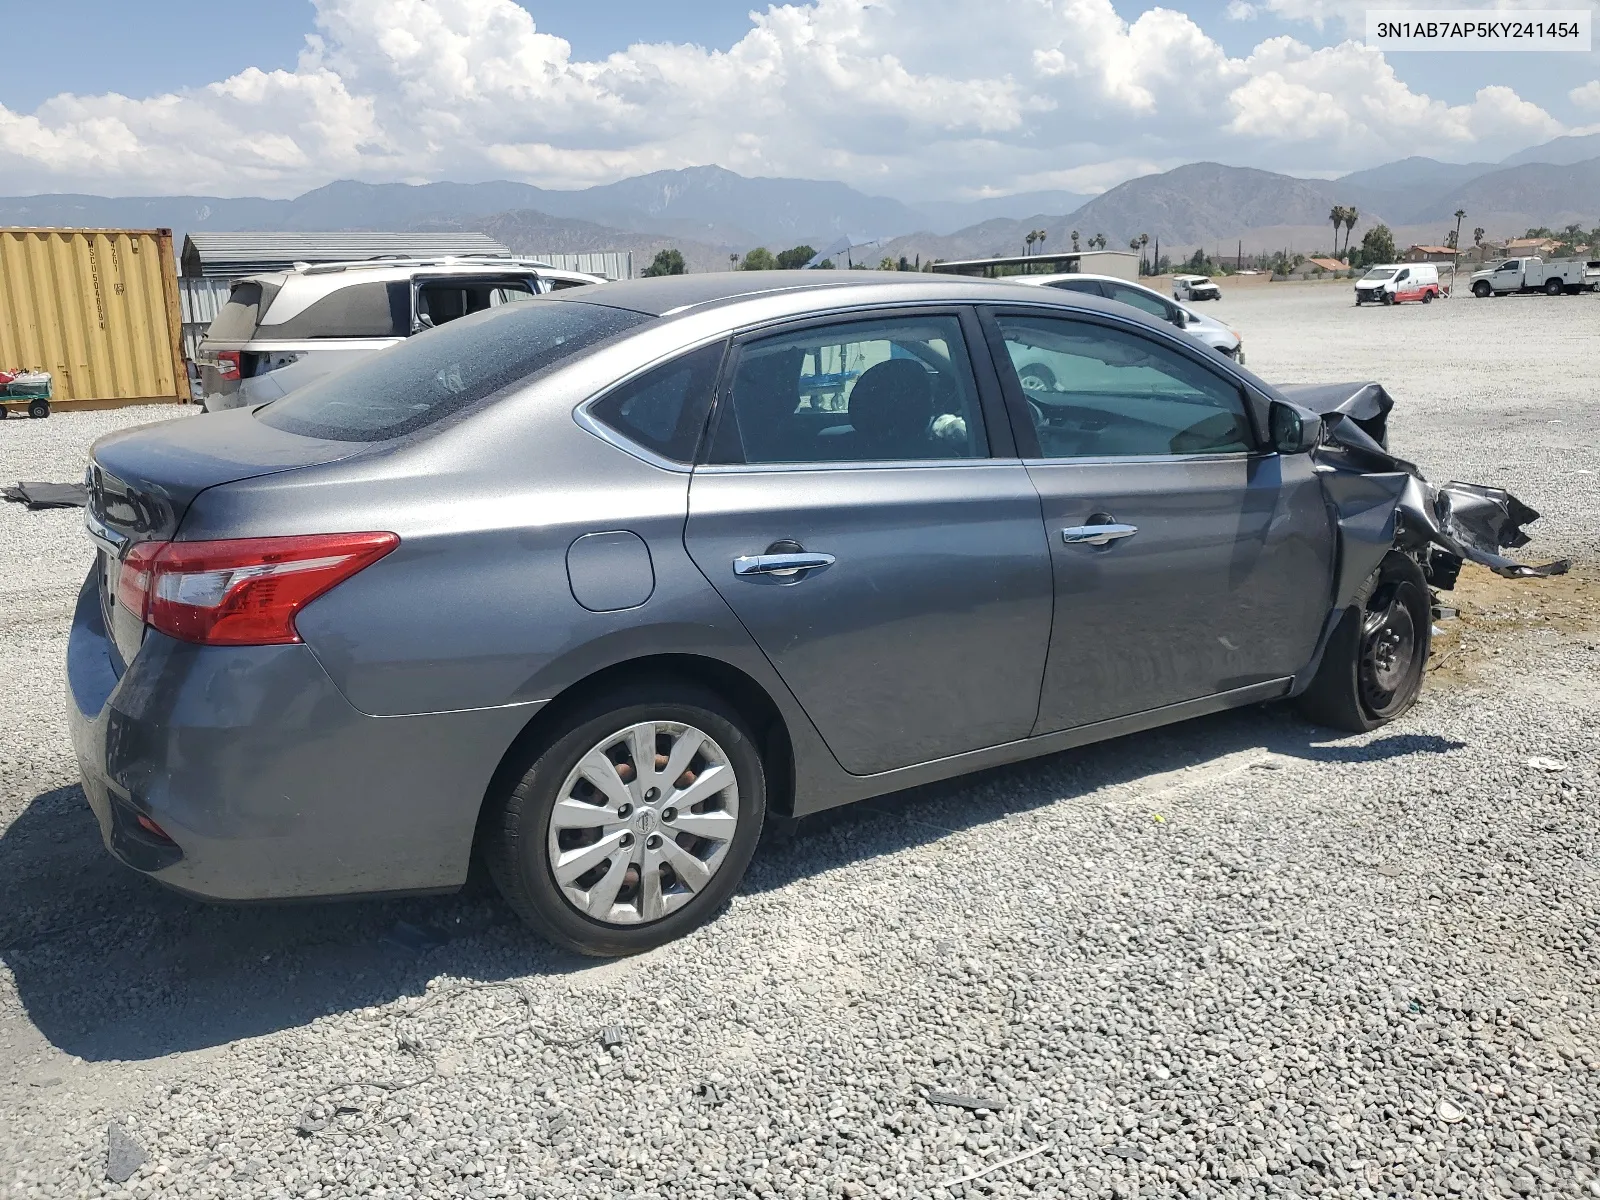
x,y
267,782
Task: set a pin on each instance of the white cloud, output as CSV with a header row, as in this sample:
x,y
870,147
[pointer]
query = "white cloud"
x,y
907,96
1587,96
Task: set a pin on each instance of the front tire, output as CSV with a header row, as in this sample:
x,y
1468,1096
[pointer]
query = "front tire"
x,y
594,846
1371,670
1481,290
39,409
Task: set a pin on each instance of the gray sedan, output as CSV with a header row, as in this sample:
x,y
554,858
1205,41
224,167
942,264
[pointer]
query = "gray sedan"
x,y
592,583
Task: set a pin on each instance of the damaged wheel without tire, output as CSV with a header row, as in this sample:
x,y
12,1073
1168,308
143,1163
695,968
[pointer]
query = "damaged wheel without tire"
x,y
1371,670
636,822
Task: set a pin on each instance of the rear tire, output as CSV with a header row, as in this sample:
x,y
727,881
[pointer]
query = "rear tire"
x,y
1553,287
649,902
1371,669
1427,297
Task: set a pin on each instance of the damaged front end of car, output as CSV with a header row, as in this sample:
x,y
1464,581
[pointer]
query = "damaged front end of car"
x,y
1382,503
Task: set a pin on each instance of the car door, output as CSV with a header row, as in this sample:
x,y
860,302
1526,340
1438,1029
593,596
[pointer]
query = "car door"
x,y
1189,560
864,514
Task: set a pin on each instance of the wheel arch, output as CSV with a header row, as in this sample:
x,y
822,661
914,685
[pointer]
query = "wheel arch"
x,y
746,694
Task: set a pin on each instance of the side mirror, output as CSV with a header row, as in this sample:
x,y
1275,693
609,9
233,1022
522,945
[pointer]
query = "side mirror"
x,y
1294,430
1180,318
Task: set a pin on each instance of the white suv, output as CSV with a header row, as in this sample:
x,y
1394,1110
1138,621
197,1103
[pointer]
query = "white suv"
x,y
280,331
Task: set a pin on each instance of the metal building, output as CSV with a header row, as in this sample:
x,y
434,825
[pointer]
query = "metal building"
x,y
612,264
1118,263
233,255
97,309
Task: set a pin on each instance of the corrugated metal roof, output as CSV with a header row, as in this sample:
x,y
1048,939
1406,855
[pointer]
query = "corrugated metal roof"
x,y
232,255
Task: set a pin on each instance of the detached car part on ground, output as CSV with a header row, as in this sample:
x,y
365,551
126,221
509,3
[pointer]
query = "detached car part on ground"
x,y
591,583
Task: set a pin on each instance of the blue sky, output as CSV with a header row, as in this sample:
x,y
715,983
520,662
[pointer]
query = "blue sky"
x,y
909,97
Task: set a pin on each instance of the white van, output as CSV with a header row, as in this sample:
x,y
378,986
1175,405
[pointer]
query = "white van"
x,y
1395,283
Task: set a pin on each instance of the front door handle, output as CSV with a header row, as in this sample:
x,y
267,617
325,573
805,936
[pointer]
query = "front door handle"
x,y
1096,535
781,565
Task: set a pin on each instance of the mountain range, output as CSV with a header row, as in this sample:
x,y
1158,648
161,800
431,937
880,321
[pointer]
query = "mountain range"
x,y
709,213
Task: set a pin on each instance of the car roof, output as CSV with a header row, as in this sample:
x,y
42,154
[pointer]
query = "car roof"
x,y
381,270
670,295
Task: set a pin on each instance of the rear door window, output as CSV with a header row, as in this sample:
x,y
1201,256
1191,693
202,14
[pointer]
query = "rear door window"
x,y
856,391
441,371
362,310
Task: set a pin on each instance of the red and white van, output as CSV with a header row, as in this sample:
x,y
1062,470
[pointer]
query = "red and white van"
x,y
1394,283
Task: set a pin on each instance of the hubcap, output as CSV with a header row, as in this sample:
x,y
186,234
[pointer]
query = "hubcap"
x,y
643,822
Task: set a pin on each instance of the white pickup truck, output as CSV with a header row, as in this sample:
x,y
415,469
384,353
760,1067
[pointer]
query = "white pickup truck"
x,y
1536,275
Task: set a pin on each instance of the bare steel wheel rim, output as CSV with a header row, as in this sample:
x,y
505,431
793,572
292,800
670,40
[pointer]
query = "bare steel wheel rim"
x,y
643,822
1388,649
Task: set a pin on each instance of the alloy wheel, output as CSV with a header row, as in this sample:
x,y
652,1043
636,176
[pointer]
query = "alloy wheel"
x,y
643,822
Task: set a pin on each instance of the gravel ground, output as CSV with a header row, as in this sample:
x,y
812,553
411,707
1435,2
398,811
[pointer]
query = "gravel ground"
x,y
1237,957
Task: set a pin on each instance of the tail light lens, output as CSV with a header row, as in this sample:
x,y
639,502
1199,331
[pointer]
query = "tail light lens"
x,y
228,364
240,591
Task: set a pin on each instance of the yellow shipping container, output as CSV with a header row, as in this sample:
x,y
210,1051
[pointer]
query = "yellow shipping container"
x,y
98,309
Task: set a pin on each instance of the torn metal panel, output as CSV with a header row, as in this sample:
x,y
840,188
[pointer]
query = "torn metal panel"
x,y
1382,502
1365,404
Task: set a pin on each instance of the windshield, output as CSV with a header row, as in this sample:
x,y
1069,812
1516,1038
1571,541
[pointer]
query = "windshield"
x,y
1380,273
395,391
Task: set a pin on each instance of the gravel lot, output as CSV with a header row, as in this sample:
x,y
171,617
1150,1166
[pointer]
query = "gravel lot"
x,y
1237,957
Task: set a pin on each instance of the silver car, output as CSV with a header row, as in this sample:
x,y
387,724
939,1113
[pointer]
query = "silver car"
x,y
279,331
1223,338
595,582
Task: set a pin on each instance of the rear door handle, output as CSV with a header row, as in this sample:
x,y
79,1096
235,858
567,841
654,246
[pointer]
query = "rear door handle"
x,y
1096,535
780,564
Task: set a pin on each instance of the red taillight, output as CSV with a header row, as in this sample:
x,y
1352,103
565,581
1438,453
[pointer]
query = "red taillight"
x,y
241,591
228,364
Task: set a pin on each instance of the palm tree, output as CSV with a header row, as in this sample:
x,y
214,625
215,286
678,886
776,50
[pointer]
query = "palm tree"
x,y
733,262
1477,236
1351,216
1098,241
1074,240
1336,215
1042,236
1033,236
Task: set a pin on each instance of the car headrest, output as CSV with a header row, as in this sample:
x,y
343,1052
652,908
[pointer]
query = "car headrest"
x,y
892,403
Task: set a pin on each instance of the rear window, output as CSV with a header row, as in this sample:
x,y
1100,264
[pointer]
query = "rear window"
x,y
433,374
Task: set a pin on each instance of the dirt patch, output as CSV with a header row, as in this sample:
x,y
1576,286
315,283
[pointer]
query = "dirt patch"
x,y
1496,613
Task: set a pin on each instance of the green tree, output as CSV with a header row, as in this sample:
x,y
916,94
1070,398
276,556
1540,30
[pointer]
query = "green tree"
x,y
886,264
1351,216
759,259
1377,245
666,262
1336,215
825,265
793,260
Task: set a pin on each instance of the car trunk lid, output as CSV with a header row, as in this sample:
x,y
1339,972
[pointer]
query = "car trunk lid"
x,y
141,482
